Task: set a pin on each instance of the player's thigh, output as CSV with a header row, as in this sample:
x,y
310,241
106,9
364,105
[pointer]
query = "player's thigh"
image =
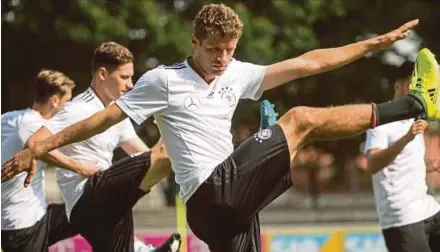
x,y
245,238
109,236
121,236
252,177
432,228
110,194
30,239
406,238
59,227
434,241
259,172
221,231
121,178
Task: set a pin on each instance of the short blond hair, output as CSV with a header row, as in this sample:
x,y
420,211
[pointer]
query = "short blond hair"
x,y
110,55
217,19
49,83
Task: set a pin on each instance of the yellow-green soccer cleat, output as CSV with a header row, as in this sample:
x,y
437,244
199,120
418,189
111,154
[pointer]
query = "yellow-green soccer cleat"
x,y
425,83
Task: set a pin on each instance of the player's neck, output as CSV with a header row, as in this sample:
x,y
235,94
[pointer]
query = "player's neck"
x,y
397,96
45,110
100,93
194,64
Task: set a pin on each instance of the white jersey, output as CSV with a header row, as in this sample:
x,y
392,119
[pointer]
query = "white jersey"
x,y
21,207
194,118
400,189
96,151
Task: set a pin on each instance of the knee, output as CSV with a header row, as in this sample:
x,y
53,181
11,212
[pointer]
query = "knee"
x,y
297,124
301,120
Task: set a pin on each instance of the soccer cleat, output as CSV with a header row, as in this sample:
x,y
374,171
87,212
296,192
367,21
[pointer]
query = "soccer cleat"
x,y
139,246
172,244
425,83
268,114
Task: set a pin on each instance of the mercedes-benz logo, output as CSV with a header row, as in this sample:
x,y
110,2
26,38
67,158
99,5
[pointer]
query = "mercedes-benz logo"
x,y
191,103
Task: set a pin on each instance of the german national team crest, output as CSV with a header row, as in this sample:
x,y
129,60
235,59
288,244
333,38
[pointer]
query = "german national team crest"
x,y
227,94
262,135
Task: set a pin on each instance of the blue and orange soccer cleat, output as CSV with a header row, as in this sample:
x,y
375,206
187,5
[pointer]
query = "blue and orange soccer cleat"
x,y
268,114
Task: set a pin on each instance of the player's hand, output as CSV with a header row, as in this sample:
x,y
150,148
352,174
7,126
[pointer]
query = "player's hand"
x,y
418,127
24,161
388,39
87,170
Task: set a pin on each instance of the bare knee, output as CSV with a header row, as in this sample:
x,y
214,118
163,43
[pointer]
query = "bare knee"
x,y
297,124
300,119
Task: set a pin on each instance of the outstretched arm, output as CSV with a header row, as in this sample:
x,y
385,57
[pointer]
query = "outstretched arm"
x,y
323,60
82,130
150,96
58,159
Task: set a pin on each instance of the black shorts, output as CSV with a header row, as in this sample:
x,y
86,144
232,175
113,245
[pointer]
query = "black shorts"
x,y
420,236
103,214
53,227
223,212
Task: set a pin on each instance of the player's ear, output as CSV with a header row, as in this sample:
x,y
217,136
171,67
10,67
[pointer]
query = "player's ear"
x,y
194,41
54,100
101,73
397,86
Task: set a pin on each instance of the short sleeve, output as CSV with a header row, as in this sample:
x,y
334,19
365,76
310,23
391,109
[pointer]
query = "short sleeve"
x,y
29,127
252,78
71,113
127,131
149,96
27,130
376,139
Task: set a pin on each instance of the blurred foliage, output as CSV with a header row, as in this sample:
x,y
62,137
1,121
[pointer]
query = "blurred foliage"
x,y
63,34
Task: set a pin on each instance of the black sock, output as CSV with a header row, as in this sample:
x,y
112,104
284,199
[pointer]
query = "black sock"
x,y
405,108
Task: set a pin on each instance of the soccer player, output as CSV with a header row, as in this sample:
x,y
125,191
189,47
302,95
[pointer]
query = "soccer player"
x,y
194,101
410,218
100,207
28,222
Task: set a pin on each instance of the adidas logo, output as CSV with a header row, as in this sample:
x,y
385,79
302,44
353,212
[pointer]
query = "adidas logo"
x,y
432,95
419,82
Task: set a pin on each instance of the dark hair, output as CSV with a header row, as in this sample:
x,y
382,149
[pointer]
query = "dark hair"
x,y
217,19
110,55
403,71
